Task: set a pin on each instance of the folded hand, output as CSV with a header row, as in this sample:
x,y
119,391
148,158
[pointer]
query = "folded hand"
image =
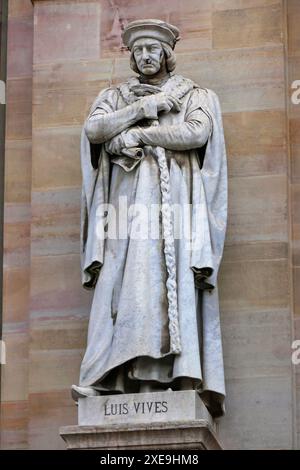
x,y
166,102
127,139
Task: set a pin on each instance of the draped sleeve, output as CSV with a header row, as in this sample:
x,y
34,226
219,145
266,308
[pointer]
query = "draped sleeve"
x,y
213,204
95,167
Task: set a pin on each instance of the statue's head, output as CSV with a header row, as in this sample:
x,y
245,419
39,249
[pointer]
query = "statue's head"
x,y
152,44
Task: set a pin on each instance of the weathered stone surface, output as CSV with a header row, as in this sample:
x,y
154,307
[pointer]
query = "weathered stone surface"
x,y
56,148
293,114
18,156
195,435
256,143
239,4
18,171
53,369
16,289
20,8
17,235
60,295
19,100
72,29
250,349
20,47
252,215
297,371
15,371
48,410
14,425
256,284
248,27
293,12
259,426
55,221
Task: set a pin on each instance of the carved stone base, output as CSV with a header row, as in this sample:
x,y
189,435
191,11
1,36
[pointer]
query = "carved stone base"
x,y
161,420
192,435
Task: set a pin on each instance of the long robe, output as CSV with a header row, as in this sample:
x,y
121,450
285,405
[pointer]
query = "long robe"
x,y
129,336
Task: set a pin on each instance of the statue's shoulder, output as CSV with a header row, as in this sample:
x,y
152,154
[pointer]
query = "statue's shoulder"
x,y
212,101
185,86
107,97
210,94
207,97
206,93
107,93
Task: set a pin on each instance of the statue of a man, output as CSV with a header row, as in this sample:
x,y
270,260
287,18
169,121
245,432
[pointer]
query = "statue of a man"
x,y
154,141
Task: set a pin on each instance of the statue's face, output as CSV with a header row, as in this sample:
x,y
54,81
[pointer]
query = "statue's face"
x,y
148,54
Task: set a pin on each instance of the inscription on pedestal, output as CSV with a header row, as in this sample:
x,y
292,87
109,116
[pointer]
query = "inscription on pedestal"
x,y
135,408
142,408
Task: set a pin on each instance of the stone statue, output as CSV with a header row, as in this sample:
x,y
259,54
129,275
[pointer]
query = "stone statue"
x,y
155,141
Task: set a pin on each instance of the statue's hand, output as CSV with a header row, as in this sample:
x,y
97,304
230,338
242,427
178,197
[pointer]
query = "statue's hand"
x,y
115,145
166,103
127,139
132,137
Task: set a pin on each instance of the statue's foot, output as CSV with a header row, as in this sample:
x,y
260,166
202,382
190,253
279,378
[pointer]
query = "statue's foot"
x,y
83,392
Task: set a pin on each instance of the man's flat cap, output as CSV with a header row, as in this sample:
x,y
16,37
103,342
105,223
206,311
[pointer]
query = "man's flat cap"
x,y
155,29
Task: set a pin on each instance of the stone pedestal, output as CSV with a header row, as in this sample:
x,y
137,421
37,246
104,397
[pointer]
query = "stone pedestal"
x,y
161,420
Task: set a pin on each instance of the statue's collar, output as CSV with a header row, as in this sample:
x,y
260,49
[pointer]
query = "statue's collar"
x,y
133,90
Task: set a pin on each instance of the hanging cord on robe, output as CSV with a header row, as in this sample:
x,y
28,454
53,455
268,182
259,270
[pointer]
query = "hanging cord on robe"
x,y
169,250
168,237
168,232
130,94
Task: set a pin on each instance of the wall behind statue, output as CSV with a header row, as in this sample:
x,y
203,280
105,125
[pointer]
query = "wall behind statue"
x,y
240,50
16,282
293,124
